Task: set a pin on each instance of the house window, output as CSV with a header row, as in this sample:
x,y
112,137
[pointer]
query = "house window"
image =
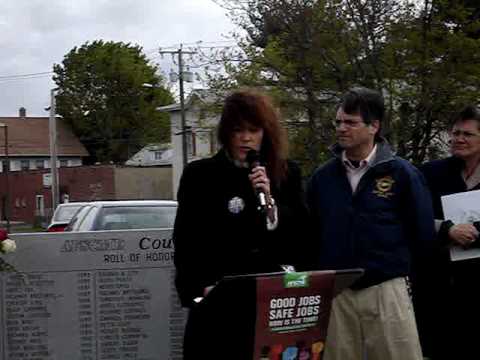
x,y
40,164
213,142
63,163
158,155
5,165
39,205
24,164
191,143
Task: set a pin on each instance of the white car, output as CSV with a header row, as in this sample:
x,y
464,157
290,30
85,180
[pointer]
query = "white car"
x,y
63,214
124,214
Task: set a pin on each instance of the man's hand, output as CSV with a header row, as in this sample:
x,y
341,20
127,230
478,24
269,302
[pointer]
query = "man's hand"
x,y
463,234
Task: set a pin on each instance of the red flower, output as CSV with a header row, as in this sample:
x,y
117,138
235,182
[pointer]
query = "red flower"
x,y
3,234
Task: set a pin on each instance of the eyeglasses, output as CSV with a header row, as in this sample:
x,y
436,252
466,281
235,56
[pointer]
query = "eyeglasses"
x,y
348,123
467,135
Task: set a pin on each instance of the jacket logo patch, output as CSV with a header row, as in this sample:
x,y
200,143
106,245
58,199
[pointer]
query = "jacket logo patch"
x,y
236,205
384,186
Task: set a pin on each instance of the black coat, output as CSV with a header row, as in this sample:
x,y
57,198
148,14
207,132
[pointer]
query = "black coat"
x,y
214,236
444,177
219,231
453,297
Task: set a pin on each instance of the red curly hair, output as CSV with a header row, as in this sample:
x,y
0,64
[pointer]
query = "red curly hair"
x,y
257,109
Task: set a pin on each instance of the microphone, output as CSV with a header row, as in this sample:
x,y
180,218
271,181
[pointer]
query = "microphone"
x,y
253,160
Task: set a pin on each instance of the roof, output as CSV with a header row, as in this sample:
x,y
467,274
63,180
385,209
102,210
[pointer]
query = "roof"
x,y
72,203
29,137
141,158
204,95
115,203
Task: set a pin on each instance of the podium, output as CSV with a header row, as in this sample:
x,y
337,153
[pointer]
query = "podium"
x,y
272,316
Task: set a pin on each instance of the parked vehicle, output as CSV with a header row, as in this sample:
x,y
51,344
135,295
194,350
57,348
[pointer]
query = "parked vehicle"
x,y
63,214
124,214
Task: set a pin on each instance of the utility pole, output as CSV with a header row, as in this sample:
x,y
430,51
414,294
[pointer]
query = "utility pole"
x,y
180,52
7,181
52,126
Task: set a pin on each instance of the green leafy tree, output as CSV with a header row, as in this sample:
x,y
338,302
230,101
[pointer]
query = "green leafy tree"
x,y
434,72
109,92
422,55
308,52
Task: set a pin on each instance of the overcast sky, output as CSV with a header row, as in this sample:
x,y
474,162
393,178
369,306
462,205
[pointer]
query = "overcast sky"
x,y
35,34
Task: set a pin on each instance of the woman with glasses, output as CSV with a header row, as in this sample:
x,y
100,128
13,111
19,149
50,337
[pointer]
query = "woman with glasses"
x,y
456,299
457,173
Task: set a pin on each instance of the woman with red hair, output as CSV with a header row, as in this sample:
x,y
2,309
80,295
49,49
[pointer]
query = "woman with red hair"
x,y
221,229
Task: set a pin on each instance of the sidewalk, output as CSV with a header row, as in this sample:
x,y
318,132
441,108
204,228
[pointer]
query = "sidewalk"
x,y
19,227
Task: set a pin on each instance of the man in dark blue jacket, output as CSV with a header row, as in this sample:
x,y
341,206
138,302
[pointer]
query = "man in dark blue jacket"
x,y
372,210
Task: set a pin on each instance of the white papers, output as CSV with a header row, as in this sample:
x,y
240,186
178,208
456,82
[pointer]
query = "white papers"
x,y
462,208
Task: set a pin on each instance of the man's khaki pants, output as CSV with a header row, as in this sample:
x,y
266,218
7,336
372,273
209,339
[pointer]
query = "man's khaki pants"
x,y
376,323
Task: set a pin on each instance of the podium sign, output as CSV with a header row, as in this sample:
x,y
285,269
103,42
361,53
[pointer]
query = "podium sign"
x,y
292,315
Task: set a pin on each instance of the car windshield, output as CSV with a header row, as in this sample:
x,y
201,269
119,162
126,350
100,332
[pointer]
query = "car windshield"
x,y
136,217
65,213
78,215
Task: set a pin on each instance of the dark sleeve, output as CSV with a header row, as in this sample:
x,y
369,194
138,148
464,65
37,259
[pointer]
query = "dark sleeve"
x,y
292,213
426,250
430,174
419,212
432,177
429,265
192,274
312,226
310,195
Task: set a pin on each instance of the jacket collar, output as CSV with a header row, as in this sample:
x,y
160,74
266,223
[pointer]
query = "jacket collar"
x,y
384,152
224,158
455,162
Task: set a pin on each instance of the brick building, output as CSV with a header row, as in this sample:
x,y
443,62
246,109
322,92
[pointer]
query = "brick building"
x,y
30,194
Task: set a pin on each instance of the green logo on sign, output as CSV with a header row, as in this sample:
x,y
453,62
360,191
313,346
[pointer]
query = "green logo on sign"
x,y
295,280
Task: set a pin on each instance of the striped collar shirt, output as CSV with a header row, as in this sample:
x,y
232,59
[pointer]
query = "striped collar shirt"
x,y
354,172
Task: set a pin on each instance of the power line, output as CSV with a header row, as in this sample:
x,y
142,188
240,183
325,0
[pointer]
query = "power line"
x,y
8,77
22,79
199,44
17,78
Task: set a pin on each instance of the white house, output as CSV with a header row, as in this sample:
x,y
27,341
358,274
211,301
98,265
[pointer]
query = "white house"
x,y
152,155
200,131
